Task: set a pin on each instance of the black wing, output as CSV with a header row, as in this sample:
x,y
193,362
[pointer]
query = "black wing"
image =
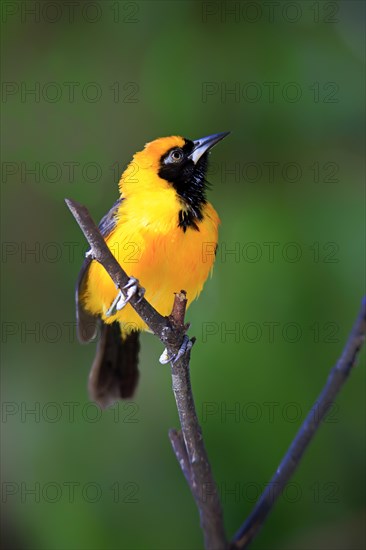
x,y
87,323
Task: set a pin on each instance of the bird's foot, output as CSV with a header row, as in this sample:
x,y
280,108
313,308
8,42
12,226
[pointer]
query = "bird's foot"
x,y
132,288
186,346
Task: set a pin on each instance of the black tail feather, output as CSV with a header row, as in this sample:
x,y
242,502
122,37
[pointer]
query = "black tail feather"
x,y
114,373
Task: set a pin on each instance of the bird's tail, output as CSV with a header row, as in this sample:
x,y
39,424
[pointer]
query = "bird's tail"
x,y
114,373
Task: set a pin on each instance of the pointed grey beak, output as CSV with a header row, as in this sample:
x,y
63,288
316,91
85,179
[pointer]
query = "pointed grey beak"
x,y
204,144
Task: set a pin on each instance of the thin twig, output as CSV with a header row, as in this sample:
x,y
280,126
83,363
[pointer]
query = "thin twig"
x,y
179,447
337,377
188,447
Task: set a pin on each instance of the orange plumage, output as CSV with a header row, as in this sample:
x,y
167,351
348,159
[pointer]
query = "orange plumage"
x,y
163,232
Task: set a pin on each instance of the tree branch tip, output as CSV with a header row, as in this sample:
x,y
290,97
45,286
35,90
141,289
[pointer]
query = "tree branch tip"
x,y
173,432
71,203
179,309
76,208
180,296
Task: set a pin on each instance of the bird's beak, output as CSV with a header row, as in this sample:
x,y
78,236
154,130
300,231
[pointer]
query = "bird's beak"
x,y
204,144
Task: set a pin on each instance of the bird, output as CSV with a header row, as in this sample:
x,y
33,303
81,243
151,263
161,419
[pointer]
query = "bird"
x,y
164,233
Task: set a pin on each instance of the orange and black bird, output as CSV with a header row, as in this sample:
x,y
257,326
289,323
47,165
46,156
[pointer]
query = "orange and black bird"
x,y
159,230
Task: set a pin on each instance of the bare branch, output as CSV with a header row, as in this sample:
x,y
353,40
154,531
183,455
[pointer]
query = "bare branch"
x,y
187,445
337,377
179,447
202,484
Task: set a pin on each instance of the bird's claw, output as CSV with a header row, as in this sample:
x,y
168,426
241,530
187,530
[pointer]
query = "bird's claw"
x,y
89,254
186,346
132,288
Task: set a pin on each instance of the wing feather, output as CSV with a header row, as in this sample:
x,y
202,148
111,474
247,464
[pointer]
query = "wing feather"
x,y
87,324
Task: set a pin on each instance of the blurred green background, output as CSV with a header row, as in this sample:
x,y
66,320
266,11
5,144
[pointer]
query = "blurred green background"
x,y
287,79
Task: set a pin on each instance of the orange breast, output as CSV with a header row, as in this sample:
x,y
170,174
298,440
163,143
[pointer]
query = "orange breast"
x,y
150,246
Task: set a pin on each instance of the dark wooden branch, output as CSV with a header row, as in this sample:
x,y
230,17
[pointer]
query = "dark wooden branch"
x,y
337,377
199,475
179,447
188,444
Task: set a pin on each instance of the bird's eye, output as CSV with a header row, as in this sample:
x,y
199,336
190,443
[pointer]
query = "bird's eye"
x,y
176,155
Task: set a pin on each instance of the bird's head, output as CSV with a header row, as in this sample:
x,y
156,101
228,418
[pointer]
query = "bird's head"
x,y
173,164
